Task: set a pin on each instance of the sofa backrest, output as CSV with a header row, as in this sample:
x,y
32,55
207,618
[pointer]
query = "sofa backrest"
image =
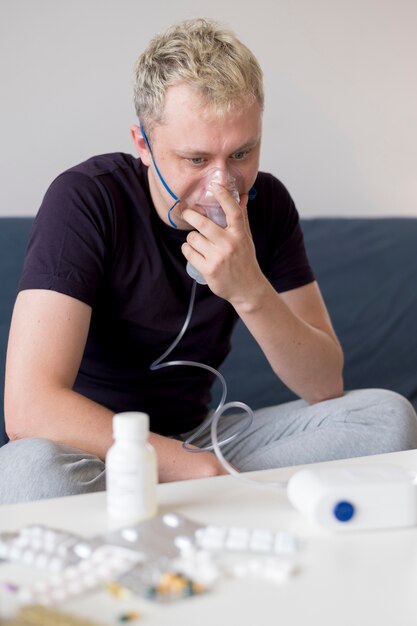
x,y
367,271
14,232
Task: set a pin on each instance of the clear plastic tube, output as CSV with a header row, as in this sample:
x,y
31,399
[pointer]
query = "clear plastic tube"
x,y
213,419
221,407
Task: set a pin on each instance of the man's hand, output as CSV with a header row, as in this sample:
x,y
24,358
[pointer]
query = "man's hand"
x,y
225,257
175,463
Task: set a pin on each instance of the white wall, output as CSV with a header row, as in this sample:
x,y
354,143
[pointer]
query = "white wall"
x,y
341,85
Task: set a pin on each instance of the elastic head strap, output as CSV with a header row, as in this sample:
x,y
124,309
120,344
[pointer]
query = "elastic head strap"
x,y
161,178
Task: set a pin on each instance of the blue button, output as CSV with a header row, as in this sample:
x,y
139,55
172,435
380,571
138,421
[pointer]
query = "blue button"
x,y
344,511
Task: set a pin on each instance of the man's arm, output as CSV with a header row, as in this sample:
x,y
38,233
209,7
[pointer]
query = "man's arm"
x,y
295,333
46,343
292,328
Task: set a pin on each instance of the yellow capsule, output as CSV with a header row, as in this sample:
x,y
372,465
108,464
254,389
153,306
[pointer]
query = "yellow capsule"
x,y
130,616
116,590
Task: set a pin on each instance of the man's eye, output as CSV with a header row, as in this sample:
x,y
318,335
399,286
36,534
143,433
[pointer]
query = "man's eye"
x,y
197,160
238,156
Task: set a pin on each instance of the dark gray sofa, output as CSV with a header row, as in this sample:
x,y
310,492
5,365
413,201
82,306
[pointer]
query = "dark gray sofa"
x,y
367,271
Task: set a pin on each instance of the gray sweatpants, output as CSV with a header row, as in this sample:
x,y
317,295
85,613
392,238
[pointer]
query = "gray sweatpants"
x,y
363,422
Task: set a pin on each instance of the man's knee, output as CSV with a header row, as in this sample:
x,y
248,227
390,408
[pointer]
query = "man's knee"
x,y
33,469
393,416
403,419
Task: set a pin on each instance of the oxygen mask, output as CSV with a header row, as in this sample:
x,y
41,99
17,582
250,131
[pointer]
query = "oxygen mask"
x,y
204,201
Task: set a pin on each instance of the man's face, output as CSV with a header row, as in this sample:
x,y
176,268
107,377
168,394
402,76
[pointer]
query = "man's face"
x,y
191,141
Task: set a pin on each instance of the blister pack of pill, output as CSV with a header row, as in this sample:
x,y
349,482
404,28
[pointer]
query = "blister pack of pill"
x,y
164,558
162,581
159,537
206,554
41,547
73,565
239,539
105,564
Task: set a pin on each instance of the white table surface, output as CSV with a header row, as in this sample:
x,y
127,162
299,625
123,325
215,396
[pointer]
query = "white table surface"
x,y
357,579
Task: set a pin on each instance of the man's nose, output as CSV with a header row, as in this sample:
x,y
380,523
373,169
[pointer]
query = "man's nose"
x,y
222,175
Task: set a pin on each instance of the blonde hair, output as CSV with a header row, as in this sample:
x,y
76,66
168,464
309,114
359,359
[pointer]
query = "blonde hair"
x,y
203,55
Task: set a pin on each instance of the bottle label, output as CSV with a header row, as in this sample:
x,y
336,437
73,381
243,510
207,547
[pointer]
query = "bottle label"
x,y
129,495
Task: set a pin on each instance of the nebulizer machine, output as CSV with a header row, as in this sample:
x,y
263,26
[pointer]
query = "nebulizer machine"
x,y
337,498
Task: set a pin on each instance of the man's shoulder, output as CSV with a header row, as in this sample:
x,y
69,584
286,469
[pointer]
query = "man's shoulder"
x,y
268,183
91,183
113,172
104,164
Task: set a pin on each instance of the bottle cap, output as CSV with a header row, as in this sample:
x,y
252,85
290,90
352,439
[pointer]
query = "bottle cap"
x,y
131,425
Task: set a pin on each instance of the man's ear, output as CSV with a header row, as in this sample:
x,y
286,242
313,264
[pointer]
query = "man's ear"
x,y
140,145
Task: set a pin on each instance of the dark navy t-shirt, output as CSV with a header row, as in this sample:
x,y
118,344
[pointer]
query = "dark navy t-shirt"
x,y
98,238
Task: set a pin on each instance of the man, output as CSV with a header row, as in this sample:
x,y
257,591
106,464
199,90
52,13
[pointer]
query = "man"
x,y
105,292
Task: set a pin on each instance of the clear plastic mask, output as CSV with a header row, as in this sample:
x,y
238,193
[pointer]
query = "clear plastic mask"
x,y
203,199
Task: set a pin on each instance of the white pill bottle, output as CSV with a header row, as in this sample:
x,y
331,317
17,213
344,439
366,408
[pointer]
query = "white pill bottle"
x,y
131,470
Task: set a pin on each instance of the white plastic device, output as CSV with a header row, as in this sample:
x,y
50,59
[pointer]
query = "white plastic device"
x,y
357,497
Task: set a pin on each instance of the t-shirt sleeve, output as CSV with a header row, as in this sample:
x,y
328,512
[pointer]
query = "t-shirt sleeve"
x,y
69,241
281,250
